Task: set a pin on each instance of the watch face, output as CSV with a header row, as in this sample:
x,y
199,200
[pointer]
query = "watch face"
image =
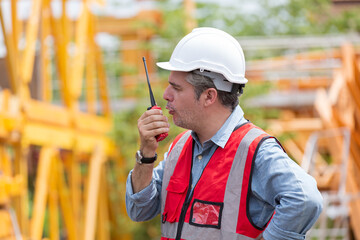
x,y
138,157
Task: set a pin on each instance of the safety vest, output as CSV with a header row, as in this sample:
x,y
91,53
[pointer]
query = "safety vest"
x,y
217,208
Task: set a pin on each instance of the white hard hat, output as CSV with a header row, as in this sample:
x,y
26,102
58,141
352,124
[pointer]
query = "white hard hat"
x,y
209,49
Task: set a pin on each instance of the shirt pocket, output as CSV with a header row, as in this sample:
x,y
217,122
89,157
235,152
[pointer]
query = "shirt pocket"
x,y
176,194
206,214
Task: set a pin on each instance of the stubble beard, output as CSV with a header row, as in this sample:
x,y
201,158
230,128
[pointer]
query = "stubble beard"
x,y
187,119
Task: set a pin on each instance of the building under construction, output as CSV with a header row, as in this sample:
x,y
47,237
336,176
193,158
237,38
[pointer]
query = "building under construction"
x,y
56,115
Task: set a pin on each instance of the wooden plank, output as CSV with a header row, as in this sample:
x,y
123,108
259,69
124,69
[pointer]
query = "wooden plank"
x,y
21,204
354,205
86,143
86,122
28,57
324,108
6,230
60,32
45,58
44,135
47,113
295,125
41,190
72,226
351,72
101,74
103,229
90,73
53,200
11,56
78,60
190,21
15,24
127,26
293,150
96,164
103,89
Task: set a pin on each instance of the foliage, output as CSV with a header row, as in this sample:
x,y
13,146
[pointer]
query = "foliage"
x,y
289,17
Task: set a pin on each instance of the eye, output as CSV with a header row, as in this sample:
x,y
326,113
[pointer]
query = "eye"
x,y
175,87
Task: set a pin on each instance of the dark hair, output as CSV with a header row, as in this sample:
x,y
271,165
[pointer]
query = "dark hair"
x,y
201,83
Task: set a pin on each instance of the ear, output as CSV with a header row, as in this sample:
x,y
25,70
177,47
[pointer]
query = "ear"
x,y
209,96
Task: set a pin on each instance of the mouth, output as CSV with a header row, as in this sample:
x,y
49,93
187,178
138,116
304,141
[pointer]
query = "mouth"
x,y
171,109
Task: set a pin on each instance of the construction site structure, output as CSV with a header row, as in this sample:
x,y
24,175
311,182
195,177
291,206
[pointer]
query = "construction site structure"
x,y
316,86
61,175
63,141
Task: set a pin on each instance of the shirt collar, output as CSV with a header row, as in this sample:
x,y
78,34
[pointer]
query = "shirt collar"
x,y
223,134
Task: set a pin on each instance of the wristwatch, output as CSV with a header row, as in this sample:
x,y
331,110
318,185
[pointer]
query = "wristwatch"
x,y
140,159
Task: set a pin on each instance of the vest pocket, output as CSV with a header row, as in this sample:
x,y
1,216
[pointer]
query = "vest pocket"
x,y
206,214
176,193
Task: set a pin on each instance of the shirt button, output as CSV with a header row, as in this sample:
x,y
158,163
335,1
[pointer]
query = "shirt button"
x,y
200,157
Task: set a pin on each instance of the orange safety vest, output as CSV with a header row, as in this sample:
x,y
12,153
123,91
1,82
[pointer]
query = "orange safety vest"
x,y
218,206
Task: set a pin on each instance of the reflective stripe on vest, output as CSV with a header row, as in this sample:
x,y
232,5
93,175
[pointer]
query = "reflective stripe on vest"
x,y
219,192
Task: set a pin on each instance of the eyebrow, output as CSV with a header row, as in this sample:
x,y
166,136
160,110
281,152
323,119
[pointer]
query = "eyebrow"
x,y
174,84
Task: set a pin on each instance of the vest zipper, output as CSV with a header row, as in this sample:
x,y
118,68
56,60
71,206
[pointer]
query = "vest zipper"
x,y
187,199
182,216
186,203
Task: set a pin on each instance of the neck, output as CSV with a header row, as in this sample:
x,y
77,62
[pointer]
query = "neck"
x,y
213,121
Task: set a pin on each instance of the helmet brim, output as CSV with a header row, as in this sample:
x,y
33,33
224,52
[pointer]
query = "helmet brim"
x,y
168,66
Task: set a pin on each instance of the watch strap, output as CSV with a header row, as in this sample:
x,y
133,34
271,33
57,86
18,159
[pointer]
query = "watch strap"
x,y
149,160
141,159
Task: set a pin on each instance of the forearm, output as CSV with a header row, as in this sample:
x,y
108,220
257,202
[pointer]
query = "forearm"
x,y
141,176
145,204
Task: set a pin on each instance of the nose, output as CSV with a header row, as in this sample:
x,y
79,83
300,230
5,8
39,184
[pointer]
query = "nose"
x,y
167,94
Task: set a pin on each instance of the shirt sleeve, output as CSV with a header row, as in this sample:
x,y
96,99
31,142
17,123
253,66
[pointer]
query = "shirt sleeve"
x,y
146,204
283,184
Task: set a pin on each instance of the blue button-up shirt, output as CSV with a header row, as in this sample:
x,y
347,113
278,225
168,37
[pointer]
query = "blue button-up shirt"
x,y
278,184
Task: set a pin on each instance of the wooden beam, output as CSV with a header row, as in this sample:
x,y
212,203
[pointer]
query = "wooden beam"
x,y
128,26
352,187
11,56
45,58
72,226
295,125
96,164
78,60
41,190
53,200
28,57
351,72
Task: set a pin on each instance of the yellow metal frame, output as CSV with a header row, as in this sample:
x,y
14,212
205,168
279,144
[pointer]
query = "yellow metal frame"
x,y
64,134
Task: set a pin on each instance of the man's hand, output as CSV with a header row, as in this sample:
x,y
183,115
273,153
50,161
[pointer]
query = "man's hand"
x,y
151,124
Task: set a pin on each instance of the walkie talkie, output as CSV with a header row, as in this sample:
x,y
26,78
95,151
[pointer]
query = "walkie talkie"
x,y
161,136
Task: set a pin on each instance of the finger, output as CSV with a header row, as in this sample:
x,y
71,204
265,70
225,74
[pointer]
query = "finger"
x,y
151,112
156,125
154,121
148,129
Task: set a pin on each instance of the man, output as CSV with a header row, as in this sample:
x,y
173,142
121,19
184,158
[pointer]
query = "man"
x,y
225,178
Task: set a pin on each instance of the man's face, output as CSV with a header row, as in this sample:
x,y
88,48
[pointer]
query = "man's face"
x,y
182,103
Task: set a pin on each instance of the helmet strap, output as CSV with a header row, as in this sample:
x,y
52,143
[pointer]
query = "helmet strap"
x,y
237,88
